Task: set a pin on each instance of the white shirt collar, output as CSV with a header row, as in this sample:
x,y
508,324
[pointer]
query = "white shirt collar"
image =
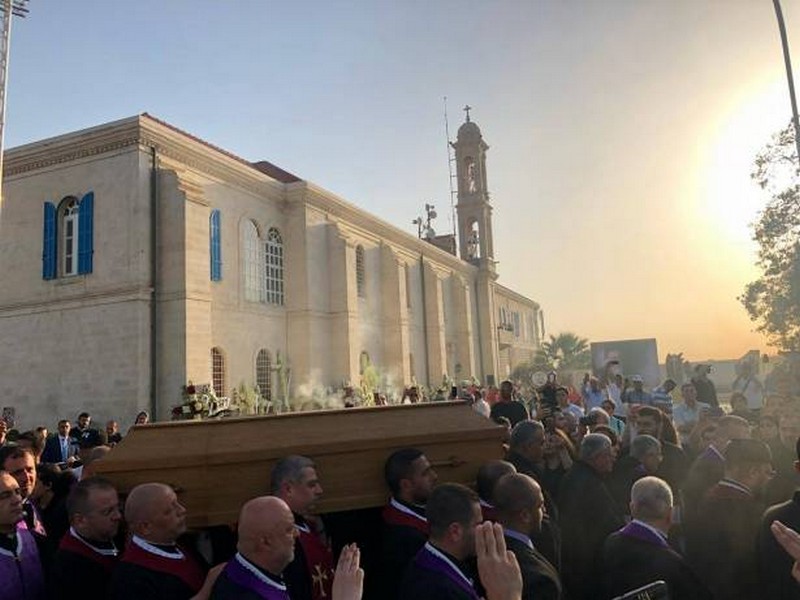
x,y
404,509
148,547
258,573
430,548
103,551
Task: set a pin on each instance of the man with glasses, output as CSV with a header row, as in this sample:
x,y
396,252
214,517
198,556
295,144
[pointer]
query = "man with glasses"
x,y
87,553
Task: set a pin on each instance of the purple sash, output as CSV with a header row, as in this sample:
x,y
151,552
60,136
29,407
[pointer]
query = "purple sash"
x,y
239,574
427,559
639,532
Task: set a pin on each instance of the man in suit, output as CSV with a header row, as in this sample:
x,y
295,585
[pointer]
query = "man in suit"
x,y
61,447
721,545
588,515
519,504
775,564
639,554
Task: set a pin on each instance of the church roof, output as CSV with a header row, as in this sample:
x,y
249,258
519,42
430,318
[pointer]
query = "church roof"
x,y
469,129
263,166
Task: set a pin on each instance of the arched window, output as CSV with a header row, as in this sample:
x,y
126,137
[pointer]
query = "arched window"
x,y
251,251
264,373
69,236
218,371
274,267
361,282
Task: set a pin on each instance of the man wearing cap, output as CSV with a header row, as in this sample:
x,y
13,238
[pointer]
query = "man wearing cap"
x,y
722,543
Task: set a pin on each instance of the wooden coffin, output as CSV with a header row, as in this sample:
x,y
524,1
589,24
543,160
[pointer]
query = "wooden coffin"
x,y
217,465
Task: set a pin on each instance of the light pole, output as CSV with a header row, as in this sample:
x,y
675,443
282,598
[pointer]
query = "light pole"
x,y
9,9
788,62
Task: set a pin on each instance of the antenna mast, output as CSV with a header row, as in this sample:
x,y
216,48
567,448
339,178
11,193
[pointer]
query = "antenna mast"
x,y
8,10
450,160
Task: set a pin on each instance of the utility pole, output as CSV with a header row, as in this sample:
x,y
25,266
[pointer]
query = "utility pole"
x,y
788,62
8,10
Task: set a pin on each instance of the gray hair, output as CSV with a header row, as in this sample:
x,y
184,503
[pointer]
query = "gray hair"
x,y
592,444
651,499
642,444
288,469
524,433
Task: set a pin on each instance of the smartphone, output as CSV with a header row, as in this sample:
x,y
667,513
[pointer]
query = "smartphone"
x,y
652,591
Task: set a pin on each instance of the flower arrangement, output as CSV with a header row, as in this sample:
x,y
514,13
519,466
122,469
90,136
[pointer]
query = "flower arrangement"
x,y
199,401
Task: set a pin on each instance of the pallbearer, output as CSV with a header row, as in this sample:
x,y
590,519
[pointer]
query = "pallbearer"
x,y
310,575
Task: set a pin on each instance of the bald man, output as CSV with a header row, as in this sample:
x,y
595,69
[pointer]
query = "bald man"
x,y
267,535
153,566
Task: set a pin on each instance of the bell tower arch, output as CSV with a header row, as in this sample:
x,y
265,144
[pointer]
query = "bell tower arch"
x,y
473,208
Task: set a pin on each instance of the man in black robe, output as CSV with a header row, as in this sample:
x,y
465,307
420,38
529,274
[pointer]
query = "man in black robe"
x,y
775,564
588,515
87,552
709,467
519,503
154,566
721,544
438,571
404,530
640,554
309,576
266,546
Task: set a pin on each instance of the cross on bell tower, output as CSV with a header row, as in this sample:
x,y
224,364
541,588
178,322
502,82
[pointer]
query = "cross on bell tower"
x,y
473,208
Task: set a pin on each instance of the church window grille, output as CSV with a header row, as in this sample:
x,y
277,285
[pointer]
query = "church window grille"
x,y
218,371
361,281
264,373
251,267
69,237
273,279
215,245
408,285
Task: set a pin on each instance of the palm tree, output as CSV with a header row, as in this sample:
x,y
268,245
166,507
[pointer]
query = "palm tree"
x,y
564,351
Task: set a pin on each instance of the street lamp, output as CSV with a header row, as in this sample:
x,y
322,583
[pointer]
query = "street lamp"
x,y
9,9
788,62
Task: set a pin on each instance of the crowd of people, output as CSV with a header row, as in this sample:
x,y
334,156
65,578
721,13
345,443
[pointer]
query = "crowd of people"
x,y
600,492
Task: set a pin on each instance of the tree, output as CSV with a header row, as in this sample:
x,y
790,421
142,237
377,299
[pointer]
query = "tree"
x,y
773,300
564,351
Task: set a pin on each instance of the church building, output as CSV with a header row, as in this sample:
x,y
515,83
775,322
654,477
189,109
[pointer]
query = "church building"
x,y
136,257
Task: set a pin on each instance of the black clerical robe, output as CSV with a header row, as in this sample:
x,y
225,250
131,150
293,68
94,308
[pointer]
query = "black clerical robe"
x,y
540,580
434,575
721,545
243,580
636,556
404,532
156,573
80,561
775,564
589,514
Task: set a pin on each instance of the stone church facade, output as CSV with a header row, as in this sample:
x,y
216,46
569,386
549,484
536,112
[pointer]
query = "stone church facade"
x,y
136,257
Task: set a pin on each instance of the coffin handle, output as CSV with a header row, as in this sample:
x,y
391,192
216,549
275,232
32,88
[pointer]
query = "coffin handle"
x,y
451,462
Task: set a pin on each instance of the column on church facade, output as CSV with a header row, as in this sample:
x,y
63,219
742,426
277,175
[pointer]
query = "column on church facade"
x,y
462,313
344,340
395,315
297,257
490,349
434,324
184,298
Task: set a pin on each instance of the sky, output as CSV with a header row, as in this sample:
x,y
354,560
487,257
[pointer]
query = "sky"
x,y
622,133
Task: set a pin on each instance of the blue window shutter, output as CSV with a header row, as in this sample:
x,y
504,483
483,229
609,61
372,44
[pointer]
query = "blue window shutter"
x,y
216,246
49,242
86,233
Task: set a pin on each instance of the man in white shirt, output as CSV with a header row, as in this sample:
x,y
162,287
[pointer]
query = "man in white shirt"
x,y
688,413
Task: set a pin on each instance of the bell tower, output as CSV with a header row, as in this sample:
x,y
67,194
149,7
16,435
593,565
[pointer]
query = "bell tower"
x,y
473,208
